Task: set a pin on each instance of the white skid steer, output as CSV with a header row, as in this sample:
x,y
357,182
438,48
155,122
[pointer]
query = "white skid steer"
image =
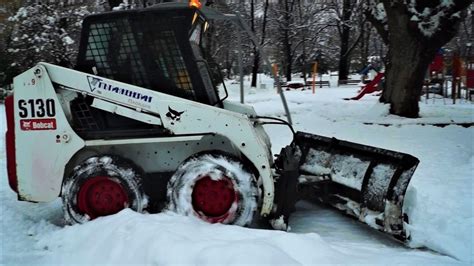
x,y
139,124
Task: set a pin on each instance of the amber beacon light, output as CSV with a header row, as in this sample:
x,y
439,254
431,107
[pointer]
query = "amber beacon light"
x,y
195,3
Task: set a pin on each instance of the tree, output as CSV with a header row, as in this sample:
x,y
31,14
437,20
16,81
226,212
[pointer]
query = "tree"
x,y
296,30
46,32
283,21
414,31
7,9
221,40
349,21
256,60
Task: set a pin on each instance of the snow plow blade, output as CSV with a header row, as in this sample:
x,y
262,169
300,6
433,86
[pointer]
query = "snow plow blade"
x,y
365,182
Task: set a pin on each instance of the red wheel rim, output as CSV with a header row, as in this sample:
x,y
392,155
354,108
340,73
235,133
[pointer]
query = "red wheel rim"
x,y
101,196
214,201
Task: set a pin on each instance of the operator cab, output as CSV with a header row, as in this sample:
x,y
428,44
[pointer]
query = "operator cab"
x,y
158,48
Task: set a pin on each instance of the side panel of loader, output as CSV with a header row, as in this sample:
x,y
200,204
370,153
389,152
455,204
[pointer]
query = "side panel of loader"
x,y
44,140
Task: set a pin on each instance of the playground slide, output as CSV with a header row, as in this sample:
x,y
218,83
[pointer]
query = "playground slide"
x,y
369,88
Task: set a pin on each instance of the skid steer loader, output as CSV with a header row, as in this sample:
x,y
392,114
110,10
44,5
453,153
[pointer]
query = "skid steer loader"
x,y
140,124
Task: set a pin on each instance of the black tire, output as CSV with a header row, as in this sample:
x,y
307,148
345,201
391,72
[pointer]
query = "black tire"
x,y
181,185
117,172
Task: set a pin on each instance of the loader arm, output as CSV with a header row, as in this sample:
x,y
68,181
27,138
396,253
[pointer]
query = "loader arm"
x,y
177,115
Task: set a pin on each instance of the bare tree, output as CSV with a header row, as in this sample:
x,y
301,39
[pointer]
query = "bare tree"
x,y
414,31
285,29
296,31
347,16
256,60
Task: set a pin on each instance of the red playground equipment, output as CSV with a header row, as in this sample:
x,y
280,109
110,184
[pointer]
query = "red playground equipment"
x,y
437,65
470,74
368,88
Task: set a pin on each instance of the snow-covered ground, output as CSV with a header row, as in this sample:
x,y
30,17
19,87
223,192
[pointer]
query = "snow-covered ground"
x,y
440,200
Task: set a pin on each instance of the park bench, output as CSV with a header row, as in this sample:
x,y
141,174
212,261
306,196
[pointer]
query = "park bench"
x,y
318,83
349,82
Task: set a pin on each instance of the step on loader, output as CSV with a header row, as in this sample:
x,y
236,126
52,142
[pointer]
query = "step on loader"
x,y
140,124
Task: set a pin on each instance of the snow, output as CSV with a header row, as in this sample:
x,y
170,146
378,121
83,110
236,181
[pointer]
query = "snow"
x,y
315,162
67,40
379,12
429,20
348,170
446,3
438,201
280,224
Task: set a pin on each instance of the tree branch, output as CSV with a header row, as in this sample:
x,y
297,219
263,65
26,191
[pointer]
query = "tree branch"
x,y
378,25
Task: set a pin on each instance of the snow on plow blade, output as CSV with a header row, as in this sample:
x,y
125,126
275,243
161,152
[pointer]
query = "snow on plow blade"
x,y
365,182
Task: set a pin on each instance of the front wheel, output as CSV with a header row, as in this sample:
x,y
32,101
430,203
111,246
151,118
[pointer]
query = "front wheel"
x,y
214,188
101,186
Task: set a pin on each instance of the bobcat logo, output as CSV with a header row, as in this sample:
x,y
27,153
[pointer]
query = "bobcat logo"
x,y
26,125
173,114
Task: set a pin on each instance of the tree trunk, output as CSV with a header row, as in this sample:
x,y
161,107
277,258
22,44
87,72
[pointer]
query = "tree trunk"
x,y
364,45
114,3
343,67
255,50
405,73
287,40
256,63
228,65
256,60
344,34
289,69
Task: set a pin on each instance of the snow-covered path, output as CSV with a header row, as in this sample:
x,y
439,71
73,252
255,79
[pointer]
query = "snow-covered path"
x,y
440,194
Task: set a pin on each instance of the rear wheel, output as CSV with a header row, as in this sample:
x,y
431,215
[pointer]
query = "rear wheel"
x,y
101,186
214,188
